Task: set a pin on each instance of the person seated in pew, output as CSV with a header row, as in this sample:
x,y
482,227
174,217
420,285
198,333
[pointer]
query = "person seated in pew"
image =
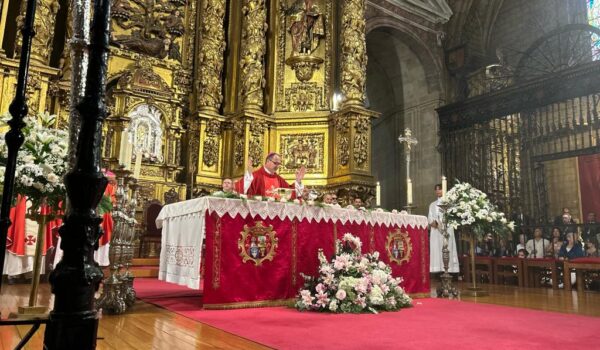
x,y
502,251
571,249
592,249
522,253
557,242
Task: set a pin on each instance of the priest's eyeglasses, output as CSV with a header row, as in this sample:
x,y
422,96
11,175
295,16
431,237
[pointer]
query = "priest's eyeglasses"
x,y
276,163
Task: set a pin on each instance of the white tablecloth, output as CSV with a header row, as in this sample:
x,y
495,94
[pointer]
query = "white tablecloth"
x,y
183,228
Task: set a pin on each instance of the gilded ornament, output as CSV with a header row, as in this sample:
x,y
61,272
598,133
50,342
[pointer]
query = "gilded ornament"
x,y
304,97
253,51
258,243
238,148
361,147
306,29
398,247
354,52
43,26
210,56
343,146
299,150
153,27
210,151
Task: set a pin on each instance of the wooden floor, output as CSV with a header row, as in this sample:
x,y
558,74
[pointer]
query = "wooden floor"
x,y
148,327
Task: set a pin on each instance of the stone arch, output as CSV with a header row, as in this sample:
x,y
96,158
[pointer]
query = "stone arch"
x,y
405,85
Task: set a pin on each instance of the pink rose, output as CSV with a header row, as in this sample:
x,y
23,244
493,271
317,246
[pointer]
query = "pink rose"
x,y
341,294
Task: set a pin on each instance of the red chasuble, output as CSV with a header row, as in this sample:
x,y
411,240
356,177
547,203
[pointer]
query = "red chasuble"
x,y
263,182
17,239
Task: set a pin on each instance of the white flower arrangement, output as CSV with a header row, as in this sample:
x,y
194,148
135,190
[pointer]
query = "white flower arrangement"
x,y
469,206
42,160
352,283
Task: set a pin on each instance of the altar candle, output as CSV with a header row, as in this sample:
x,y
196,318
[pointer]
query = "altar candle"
x,y
138,165
123,148
378,195
409,197
444,185
128,155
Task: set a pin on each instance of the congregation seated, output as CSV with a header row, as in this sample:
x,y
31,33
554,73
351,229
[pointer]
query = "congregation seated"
x,y
571,249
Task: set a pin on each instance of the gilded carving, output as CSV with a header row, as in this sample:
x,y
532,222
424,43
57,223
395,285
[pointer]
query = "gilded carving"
x,y
171,196
151,171
302,150
43,25
306,28
361,140
213,127
342,141
304,97
253,50
238,147
343,146
354,52
210,55
361,147
153,27
210,146
210,151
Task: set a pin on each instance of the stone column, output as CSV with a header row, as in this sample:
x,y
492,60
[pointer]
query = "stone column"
x,y
254,46
354,53
210,57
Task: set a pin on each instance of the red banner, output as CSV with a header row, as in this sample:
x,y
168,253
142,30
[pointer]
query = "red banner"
x,y
589,184
254,262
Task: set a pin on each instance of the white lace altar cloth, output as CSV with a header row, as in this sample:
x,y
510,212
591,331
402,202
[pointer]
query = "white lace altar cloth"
x,y
183,227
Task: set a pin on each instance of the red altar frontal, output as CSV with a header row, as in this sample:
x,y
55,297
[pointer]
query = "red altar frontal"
x,y
256,252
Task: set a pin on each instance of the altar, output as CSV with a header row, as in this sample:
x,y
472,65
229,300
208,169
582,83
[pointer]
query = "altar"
x,y
256,251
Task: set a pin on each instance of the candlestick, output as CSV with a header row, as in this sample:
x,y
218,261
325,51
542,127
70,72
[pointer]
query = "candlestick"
x,y
138,165
409,194
444,185
378,195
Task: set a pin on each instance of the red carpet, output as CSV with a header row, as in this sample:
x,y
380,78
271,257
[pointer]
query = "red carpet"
x,y
430,324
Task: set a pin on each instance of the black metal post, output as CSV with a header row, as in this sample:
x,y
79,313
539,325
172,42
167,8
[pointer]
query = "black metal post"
x,y
14,137
73,322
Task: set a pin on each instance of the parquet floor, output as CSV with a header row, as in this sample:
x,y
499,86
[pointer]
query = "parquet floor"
x,y
148,327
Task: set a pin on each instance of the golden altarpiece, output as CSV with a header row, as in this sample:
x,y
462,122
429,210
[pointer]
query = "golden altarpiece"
x,y
197,87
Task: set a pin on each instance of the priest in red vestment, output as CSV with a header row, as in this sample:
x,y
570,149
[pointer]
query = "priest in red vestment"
x,y
263,181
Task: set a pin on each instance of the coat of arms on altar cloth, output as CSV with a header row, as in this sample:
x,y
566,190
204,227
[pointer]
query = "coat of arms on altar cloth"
x,y
398,246
258,243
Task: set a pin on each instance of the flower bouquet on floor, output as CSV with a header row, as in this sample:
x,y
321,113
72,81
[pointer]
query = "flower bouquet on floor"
x,y
352,283
472,211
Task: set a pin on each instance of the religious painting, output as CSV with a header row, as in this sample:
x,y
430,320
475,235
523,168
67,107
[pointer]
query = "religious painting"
x,y
299,150
258,243
398,247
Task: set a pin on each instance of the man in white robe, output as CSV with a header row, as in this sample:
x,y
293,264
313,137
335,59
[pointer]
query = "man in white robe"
x,y
436,240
